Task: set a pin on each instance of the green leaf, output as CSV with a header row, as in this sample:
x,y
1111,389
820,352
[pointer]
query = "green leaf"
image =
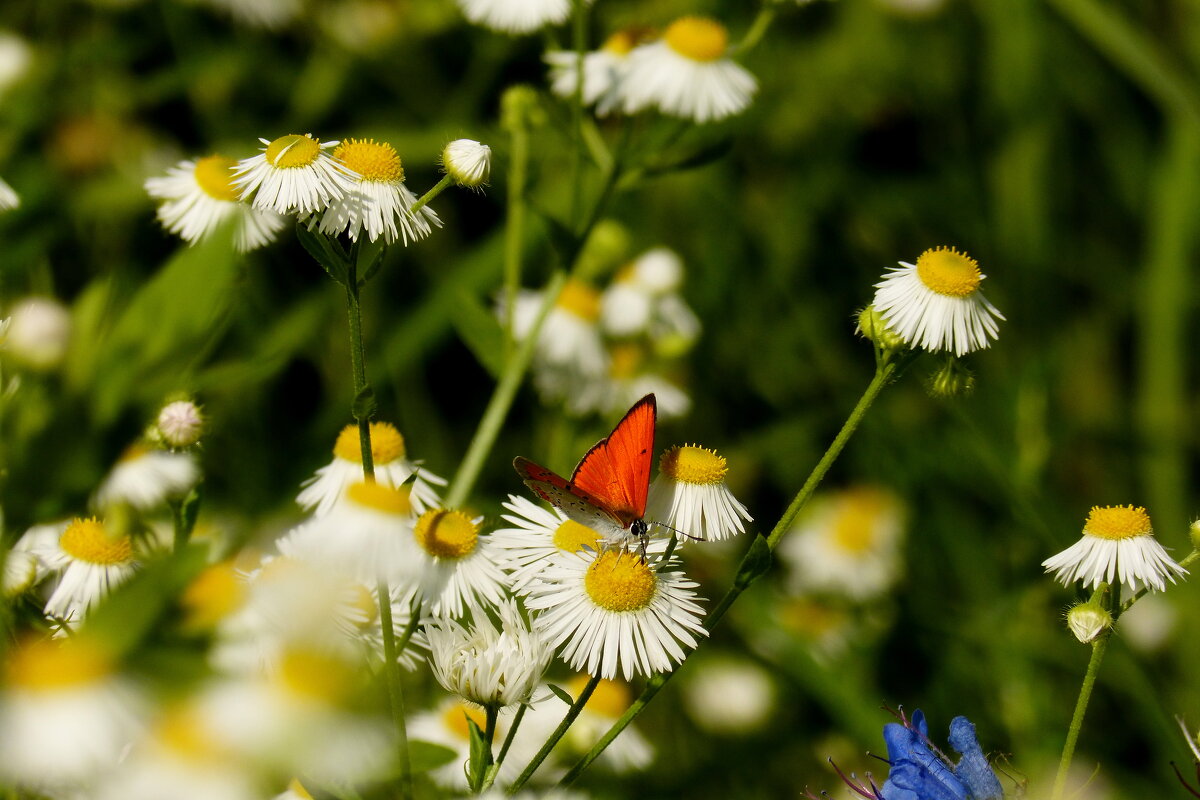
x,y
755,563
322,249
424,756
370,259
480,331
188,511
562,694
364,404
480,758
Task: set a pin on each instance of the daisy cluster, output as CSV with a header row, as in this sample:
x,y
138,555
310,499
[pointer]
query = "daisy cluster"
x,y
354,187
600,351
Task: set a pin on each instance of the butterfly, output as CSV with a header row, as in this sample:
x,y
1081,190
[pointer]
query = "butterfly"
x,y
607,491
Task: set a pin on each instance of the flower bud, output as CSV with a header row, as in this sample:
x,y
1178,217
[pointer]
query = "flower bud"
x,y
1088,620
468,162
1194,534
179,424
520,108
872,326
951,380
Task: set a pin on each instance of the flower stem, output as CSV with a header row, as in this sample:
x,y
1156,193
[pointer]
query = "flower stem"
x,y
512,732
579,45
1188,559
572,713
1085,694
514,229
391,673
358,368
758,28
437,189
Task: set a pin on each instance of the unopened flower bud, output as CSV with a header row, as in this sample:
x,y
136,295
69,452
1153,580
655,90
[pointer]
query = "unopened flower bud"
x,y
1088,620
179,424
872,326
468,162
951,380
1194,534
520,108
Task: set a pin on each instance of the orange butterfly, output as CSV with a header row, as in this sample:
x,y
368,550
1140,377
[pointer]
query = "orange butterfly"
x,y
607,491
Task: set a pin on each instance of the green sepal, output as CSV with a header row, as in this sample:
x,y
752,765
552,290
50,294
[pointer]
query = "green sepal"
x,y
756,562
364,404
480,758
426,756
329,255
562,694
481,333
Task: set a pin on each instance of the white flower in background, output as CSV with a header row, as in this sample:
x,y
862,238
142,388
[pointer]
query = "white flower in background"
x,y
65,715
630,378
730,696
458,567
603,70
446,725
179,424
846,543
15,57
379,203
631,750
936,304
8,198
38,333
467,162
537,537
392,468
270,14
515,16
1149,624
295,791
489,664
691,496
293,174
687,74
1117,546
644,299
569,358
23,568
199,196
91,562
613,613
145,478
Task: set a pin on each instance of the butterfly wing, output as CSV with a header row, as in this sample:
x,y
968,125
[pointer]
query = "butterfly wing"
x,y
616,470
576,503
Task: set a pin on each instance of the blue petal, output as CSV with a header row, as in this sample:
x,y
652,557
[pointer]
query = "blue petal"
x,y
926,781
900,741
973,768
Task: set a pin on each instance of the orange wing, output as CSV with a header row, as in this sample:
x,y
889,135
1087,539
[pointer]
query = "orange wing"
x,y
616,470
573,501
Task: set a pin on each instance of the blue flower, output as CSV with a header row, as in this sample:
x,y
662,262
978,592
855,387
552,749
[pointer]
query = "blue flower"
x,y
920,772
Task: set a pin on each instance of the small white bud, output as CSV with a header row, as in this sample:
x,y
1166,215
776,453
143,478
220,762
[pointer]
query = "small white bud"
x,y
1088,620
180,423
468,162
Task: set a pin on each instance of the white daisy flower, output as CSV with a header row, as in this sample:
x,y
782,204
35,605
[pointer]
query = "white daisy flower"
x,y
200,196
459,568
691,496
569,357
446,725
322,491
145,478
91,562
489,664
515,16
936,303
1118,543
603,70
23,567
15,57
65,716
613,612
379,203
629,752
468,162
294,174
730,696
537,537
38,333
846,543
687,74
630,378
8,198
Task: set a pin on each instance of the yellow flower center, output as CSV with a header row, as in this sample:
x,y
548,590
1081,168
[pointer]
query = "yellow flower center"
x,y
182,731
854,527
946,271
455,720
623,41
387,445
1118,522
446,534
620,582
571,537
625,360
313,674
214,174
697,38
133,452
293,150
363,604
374,161
380,497
693,464
46,664
215,594
86,540
581,300
609,699
811,618
297,789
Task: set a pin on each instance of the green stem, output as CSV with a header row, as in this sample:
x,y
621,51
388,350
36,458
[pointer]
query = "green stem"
x,y
437,189
501,401
766,15
1085,694
1187,561
512,732
358,368
572,713
883,374
579,44
514,230
391,673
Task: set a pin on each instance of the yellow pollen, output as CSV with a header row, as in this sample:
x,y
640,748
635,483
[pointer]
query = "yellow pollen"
x,y
609,699
854,526
693,464
946,271
297,789
374,161
455,720
581,300
364,603
620,582
446,534
625,360
293,150
379,497
48,665
86,540
571,537
1118,522
214,594
214,174
387,445
314,674
697,38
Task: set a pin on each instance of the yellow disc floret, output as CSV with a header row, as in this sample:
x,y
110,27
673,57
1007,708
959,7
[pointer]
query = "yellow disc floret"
x,y
946,271
571,537
855,526
581,300
214,174
387,445
374,161
625,360
363,606
295,787
48,665
214,594
620,582
446,534
314,674
379,497
293,150
697,38
693,464
609,699
86,540
623,41
455,719
1118,522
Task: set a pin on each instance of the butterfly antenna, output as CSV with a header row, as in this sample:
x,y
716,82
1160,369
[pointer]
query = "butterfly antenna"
x,y
684,534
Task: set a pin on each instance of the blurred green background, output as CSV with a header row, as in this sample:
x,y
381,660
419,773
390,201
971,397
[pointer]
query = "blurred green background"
x,y
1056,142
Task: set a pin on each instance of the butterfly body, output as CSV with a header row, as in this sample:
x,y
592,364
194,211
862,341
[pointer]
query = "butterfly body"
x,y
607,491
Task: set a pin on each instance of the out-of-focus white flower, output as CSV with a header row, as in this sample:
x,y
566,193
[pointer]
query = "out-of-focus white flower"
x,y
458,567
730,696
38,333
91,562
259,13
631,750
446,724
8,198
23,567
145,478
15,57
515,16
690,495
1148,624
603,70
